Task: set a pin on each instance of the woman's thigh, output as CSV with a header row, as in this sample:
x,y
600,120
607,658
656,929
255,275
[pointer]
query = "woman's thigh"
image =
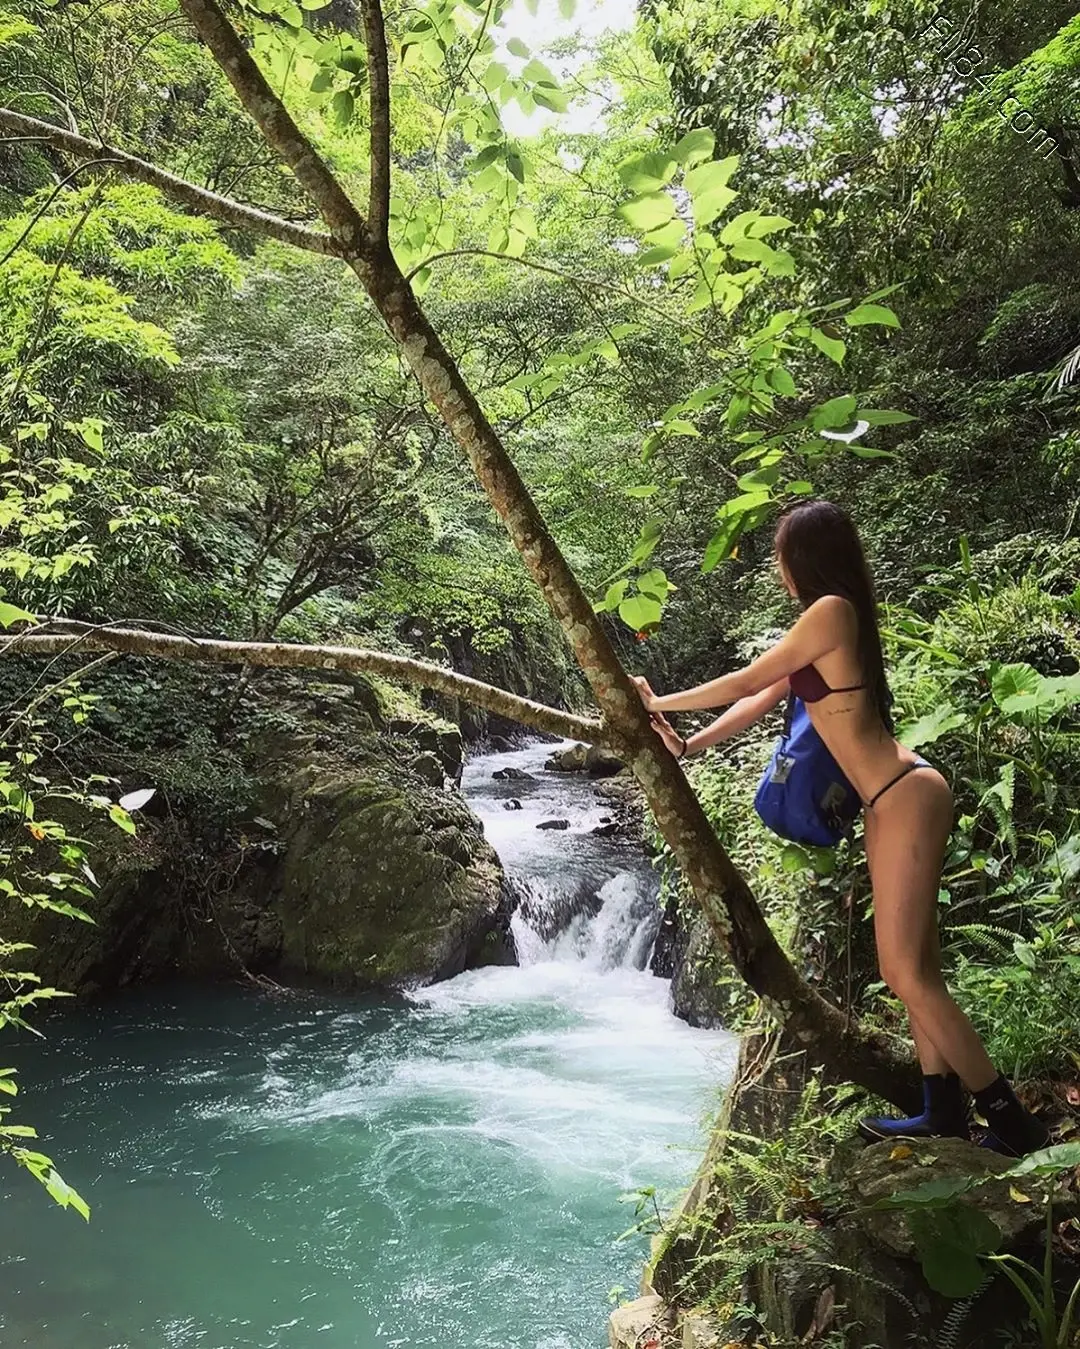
x,y
906,836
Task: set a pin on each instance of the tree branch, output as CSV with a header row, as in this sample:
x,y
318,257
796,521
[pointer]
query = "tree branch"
x,y
224,209
379,105
282,655
347,226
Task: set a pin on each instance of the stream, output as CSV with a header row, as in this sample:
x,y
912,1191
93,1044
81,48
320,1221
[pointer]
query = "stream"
x,y
442,1171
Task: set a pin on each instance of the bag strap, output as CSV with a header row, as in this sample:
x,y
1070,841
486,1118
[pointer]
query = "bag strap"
x,y
789,715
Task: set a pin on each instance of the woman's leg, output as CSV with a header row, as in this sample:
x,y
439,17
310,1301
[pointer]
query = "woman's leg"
x,y
910,829
910,833
944,1109
931,1061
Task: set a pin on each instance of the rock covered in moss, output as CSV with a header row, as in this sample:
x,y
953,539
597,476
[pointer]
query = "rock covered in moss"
x,y
383,884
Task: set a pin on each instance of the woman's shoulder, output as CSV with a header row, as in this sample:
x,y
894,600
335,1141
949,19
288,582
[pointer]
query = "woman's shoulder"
x,y
835,611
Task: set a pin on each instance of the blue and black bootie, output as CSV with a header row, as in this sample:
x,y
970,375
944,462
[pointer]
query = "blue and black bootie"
x,y
1013,1131
944,1114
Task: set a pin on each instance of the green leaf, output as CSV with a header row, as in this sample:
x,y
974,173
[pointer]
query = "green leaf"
x,y
516,165
640,612
324,80
800,488
866,452
494,77
648,172
524,221
613,598
835,413
695,146
709,206
931,727
710,178
538,73
120,817
555,100
949,1241
653,257
421,281
91,430
879,417
780,379
342,107
1014,687
872,313
1047,1161
11,613
769,224
517,48
566,9
647,490
647,211
831,346
794,859
655,583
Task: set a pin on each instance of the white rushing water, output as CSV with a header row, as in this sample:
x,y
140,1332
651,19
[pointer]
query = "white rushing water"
x,y
441,1172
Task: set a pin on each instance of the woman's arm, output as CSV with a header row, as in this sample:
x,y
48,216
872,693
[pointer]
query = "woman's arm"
x,y
821,629
738,717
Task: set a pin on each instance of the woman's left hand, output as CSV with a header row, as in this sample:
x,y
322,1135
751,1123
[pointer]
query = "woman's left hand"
x,y
647,695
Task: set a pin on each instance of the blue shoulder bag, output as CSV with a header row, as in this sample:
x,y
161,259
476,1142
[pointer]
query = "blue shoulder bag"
x,y
803,794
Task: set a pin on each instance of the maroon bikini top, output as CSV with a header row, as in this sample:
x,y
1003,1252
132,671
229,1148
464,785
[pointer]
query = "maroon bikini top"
x,y
808,685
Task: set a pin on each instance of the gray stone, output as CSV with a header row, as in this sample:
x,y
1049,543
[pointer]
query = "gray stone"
x,y
570,760
428,769
629,1326
512,774
554,824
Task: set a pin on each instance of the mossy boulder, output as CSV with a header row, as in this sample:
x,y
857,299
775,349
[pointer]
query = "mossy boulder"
x,y
383,884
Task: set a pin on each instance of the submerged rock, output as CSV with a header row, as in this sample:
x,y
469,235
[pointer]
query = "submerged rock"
x,y
512,774
554,824
512,804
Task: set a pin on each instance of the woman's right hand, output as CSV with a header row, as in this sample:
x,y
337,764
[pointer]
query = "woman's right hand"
x,y
667,733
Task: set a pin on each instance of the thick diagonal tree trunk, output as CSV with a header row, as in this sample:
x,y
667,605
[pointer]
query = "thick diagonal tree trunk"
x,y
845,1051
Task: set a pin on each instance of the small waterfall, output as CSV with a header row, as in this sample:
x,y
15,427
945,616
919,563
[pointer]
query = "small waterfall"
x,y
615,931
582,897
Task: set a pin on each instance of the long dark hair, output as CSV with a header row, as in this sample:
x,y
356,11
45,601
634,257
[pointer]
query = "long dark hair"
x,y
823,555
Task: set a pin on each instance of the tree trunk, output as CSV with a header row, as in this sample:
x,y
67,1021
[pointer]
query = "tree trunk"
x,y
844,1050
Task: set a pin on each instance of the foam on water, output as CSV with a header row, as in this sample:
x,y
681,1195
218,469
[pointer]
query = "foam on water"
x,y
441,1172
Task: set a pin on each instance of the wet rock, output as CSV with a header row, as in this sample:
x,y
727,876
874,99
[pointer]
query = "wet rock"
x,y
381,884
607,830
688,946
428,769
601,763
554,824
570,760
512,774
512,804
499,744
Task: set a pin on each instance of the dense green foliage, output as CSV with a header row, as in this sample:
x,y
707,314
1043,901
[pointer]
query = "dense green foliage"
x,y
799,249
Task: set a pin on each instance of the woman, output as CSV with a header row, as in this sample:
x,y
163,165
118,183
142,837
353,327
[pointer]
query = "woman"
x,y
832,660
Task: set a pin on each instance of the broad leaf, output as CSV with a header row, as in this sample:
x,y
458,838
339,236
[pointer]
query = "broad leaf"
x,y
647,211
872,313
695,146
648,172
